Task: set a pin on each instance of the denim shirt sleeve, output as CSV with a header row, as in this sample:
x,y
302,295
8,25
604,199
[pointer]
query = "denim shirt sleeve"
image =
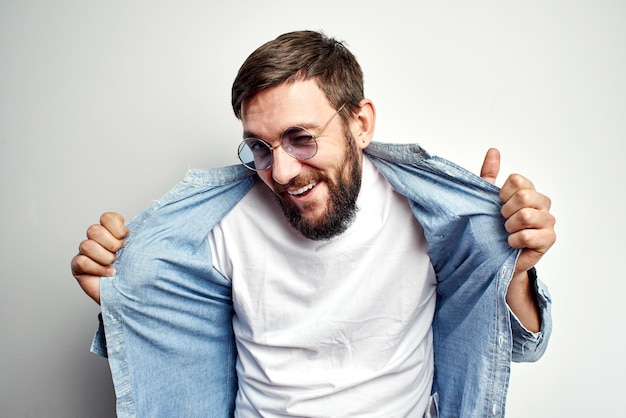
x,y
475,335
166,322
529,346
99,344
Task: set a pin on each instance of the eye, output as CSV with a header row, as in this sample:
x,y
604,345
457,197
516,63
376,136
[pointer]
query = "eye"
x,y
298,137
256,145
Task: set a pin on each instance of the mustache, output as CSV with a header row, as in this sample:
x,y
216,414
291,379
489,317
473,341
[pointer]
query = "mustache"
x,y
297,182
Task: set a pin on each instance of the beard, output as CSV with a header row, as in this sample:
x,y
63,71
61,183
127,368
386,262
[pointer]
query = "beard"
x,y
341,209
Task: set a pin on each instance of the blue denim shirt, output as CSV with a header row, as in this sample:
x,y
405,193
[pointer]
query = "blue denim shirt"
x,y
166,315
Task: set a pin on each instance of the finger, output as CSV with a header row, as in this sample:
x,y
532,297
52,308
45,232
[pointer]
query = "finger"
x,y
525,199
539,240
529,218
115,224
535,244
491,165
83,265
513,184
90,285
527,260
96,252
102,236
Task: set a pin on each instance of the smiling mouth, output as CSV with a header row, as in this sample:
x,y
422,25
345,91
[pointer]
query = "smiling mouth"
x,y
302,190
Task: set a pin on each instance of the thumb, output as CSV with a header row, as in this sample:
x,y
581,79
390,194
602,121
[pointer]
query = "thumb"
x,y
491,165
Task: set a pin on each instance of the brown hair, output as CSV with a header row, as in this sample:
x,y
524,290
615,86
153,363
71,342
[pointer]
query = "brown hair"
x,y
298,56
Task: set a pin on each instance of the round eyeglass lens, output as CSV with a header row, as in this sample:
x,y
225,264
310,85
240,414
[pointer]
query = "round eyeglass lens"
x,y
299,143
255,154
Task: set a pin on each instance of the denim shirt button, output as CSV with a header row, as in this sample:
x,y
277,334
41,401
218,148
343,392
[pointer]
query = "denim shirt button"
x,y
501,341
494,410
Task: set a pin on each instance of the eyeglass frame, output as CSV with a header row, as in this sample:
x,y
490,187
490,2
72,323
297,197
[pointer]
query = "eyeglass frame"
x,y
282,138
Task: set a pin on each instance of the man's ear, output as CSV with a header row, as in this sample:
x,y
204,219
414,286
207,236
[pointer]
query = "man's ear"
x,y
363,123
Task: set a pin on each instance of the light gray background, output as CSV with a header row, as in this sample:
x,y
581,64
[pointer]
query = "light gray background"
x,y
105,104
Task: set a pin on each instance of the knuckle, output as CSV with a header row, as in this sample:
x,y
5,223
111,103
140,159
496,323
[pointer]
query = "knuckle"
x,y
74,265
525,196
552,238
519,182
516,179
525,216
525,237
84,246
552,220
79,264
107,217
548,202
94,231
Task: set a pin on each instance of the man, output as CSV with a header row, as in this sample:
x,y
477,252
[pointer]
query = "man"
x,y
366,279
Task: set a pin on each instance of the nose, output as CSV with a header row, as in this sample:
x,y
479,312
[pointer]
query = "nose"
x,y
284,166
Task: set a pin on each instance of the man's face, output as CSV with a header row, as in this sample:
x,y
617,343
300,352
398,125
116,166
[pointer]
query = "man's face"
x,y
318,195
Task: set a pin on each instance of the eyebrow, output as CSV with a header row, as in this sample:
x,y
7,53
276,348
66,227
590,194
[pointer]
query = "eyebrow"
x,y
308,126
248,134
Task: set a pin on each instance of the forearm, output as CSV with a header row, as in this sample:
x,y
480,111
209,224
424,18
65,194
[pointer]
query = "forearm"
x,y
522,301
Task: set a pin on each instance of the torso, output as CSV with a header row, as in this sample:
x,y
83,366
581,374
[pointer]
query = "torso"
x,y
330,328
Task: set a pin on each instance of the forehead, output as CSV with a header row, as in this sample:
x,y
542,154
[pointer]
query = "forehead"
x,y
273,110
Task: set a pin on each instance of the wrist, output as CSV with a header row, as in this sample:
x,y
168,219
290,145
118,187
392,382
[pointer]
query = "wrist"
x,y
521,297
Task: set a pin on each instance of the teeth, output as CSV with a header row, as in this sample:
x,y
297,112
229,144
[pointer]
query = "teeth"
x,y
302,189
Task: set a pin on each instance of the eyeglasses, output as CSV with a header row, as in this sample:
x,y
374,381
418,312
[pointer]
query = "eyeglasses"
x,y
257,155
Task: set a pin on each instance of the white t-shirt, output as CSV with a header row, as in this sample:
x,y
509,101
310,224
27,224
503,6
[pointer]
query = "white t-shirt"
x,y
330,328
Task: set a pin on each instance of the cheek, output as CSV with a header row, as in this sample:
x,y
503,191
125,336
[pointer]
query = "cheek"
x,y
331,161
266,176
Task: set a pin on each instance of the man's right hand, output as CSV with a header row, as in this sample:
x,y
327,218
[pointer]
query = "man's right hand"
x,y
98,252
